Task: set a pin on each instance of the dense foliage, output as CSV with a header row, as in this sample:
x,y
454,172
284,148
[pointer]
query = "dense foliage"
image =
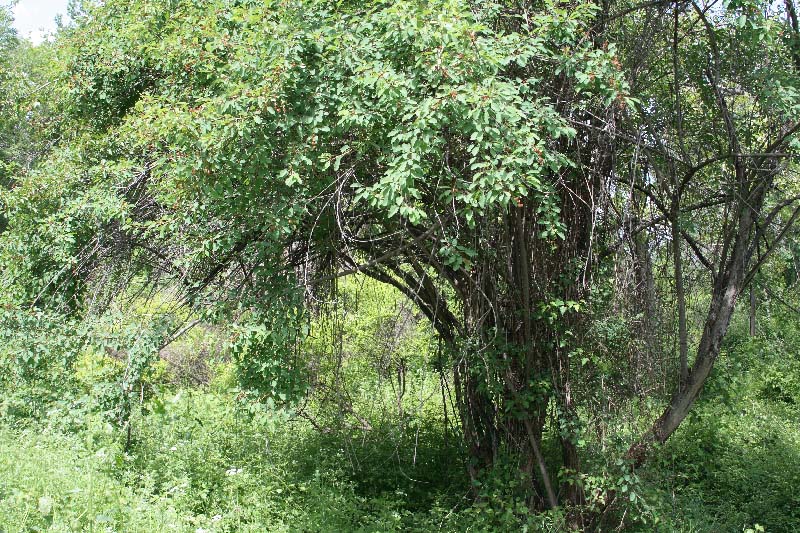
x,y
497,245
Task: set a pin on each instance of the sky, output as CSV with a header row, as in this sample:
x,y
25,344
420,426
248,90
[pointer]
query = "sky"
x,y
34,19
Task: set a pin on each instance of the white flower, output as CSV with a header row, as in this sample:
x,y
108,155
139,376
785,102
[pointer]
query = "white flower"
x,y
200,530
216,518
233,471
174,449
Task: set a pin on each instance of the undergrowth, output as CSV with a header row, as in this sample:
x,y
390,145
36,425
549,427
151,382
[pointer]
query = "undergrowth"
x,y
206,459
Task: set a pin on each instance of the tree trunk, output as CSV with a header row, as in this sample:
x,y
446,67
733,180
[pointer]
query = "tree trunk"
x,y
680,294
727,287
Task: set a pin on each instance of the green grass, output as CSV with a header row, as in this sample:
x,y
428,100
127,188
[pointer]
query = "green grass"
x,y
200,464
200,461
52,482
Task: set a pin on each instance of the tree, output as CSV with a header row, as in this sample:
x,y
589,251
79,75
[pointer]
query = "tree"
x,y
8,42
474,155
26,130
723,184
